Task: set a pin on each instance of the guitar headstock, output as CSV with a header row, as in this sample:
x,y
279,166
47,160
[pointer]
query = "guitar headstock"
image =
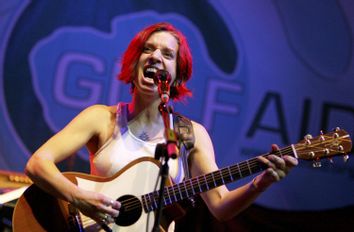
x,y
326,145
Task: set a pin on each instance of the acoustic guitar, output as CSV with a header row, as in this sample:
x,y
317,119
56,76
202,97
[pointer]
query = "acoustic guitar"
x,y
136,187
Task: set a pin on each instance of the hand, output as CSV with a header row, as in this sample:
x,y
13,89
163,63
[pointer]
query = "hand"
x,y
97,206
278,168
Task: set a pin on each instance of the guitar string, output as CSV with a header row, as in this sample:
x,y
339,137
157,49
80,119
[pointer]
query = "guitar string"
x,y
209,179
252,163
213,177
130,204
220,175
217,176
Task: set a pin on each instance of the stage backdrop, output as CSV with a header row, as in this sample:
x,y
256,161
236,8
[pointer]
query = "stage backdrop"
x,y
264,72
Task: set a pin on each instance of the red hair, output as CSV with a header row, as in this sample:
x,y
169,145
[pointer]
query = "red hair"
x,y
131,57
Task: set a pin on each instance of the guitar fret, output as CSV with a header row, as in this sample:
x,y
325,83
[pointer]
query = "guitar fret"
x,y
281,155
212,175
144,203
149,201
228,168
239,170
168,193
258,166
249,168
226,175
164,199
185,187
206,183
154,202
191,184
174,194
200,189
179,190
294,151
221,175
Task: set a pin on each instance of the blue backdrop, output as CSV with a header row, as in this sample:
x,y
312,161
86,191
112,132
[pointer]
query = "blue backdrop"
x,y
264,72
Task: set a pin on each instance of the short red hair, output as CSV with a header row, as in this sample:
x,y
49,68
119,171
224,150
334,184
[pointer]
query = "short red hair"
x,y
131,57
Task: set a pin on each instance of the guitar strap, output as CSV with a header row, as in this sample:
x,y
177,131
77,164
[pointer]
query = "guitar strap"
x,y
185,134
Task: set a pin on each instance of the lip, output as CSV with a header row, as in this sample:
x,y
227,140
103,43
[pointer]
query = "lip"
x,y
149,71
147,80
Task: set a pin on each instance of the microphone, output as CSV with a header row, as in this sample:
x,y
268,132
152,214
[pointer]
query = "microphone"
x,y
162,79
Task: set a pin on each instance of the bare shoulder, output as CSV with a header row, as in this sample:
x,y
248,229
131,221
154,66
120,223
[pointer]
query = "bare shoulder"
x,y
99,112
100,109
94,117
202,139
199,129
202,158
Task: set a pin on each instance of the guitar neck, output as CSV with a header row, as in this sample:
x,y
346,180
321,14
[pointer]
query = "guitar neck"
x,y
203,183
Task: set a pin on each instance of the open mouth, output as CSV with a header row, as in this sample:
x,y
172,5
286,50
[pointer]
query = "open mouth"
x,y
149,72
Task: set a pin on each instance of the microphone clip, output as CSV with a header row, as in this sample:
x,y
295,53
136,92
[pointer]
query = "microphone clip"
x,y
162,79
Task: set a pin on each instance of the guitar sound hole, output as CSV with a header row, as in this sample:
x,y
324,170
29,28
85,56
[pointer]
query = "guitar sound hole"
x,y
130,210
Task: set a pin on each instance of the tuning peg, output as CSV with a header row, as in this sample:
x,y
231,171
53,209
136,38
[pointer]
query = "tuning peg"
x,y
311,154
326,151
331,160
322,138
316,164
308,138
345,158
337,129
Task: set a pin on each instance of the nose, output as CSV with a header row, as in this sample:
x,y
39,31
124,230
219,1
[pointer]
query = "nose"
x,y
156,56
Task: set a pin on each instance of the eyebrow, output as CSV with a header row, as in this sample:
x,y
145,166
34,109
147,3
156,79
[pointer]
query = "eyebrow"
x,y
163,48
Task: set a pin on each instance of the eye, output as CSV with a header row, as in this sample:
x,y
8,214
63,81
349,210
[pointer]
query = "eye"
x,y
169,54
148,49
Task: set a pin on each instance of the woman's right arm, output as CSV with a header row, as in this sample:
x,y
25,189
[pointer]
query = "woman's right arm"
x,y
42,169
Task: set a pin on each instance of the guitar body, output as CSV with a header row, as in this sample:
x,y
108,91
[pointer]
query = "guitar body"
x,y
38,211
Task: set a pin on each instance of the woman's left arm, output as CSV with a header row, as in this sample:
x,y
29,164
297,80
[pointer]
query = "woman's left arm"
x,y
225,204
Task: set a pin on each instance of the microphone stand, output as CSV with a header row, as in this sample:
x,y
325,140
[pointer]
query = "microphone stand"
x,y
166,150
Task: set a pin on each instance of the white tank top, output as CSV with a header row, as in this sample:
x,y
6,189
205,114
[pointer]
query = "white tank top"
x,y
124,147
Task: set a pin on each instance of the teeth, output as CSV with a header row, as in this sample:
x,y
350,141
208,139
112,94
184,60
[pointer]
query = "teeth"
x,y
150,71
153,70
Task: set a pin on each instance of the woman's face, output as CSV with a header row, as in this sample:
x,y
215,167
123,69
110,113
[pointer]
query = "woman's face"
x,y
160,52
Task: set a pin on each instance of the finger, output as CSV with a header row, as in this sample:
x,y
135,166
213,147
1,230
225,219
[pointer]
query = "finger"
x,y
105,219
273,175
112,203
281,173
266,162
100,218
276,175
290,161
108,219
109,206
275,147
110,211
277,161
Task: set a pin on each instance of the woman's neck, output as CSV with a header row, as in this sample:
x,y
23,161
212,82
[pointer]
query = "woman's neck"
x,y
144,119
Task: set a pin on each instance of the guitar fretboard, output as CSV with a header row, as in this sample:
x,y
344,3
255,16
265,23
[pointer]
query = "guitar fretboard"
x,y
203,183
